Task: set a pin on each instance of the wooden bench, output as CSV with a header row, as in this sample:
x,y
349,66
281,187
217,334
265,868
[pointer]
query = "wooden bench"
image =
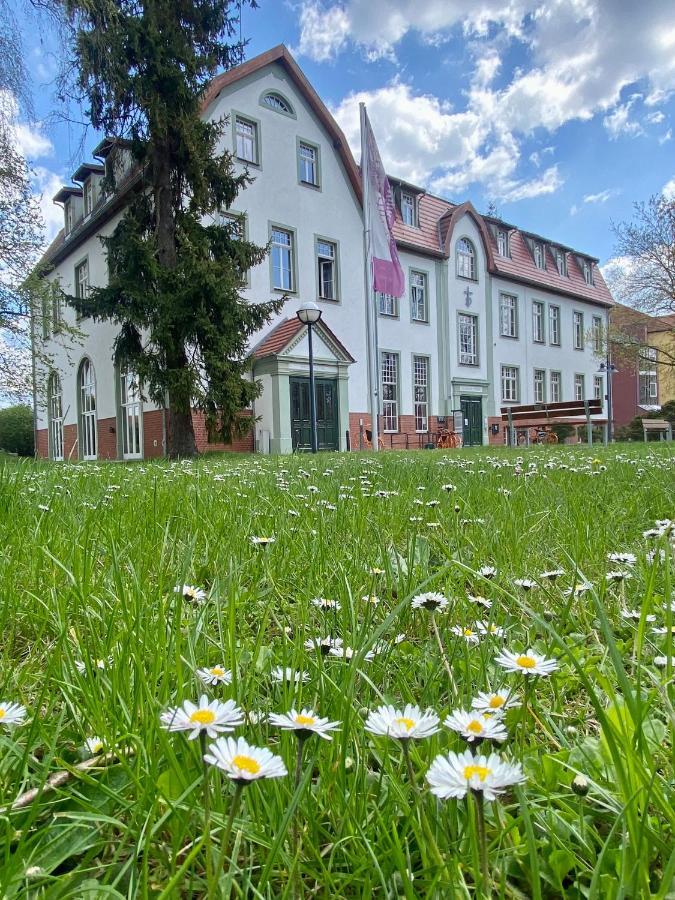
x,y
662,427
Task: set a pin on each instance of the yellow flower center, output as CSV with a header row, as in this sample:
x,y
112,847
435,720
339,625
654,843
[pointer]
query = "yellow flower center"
x,y
407,723
496,702
526,662
217,671
481,771
203,716
475,727
305,720
246,764
3,712
468,632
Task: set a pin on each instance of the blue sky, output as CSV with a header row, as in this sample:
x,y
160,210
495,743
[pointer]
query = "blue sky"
x,y
560,113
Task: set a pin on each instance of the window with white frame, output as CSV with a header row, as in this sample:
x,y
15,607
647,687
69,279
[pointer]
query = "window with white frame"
x,y
308,161
246,140
326,255
389,378
538,333
502,242
508,315
421,392
88,196
418,297
57,312
579,387
596,329
277,102
539,257
55,409
648,378
578,329
131,409
82,280
87,403
555,389
283,275
387,305
510,390
468,339
598,387
68,216
587,271
466,259
408,209
561,262
554,325
540,386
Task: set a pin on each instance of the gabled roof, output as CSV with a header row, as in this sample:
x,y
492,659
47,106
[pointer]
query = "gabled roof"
x,y
281,55
86,169
283,334
65,192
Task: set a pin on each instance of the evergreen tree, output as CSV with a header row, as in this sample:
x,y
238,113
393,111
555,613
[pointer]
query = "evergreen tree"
x,y
175,270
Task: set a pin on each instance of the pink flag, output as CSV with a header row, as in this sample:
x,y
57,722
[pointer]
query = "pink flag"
x,y
378,200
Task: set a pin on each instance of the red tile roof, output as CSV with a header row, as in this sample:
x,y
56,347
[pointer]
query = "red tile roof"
x,y
288,329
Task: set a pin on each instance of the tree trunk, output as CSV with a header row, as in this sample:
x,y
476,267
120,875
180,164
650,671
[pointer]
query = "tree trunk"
x,y
181,435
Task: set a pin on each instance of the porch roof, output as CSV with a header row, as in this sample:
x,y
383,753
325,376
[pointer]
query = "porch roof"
x,y
276,341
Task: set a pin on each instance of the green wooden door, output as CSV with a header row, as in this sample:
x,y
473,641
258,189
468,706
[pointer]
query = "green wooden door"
x,y
472,416
326,394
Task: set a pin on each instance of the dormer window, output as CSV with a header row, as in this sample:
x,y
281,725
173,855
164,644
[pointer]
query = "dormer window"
x,y
277,102
538,253
561,263
502,242
88,196
466,259
586,271
408,209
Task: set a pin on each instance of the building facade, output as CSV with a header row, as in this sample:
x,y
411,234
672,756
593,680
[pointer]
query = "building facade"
x,y
492,316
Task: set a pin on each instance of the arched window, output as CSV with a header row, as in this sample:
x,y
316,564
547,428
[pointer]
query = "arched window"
x,y
86,386
55,414
466,259
277,102
131,415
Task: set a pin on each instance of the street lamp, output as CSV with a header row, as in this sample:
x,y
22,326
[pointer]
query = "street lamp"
x,y
309,314
608,369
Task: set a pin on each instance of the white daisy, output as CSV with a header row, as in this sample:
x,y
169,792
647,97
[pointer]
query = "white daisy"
x,y
528,663
93,745
305,723
323,603
449,488
664,630
96,664
190,592
431,601
628,559
475,726
618,576
209,716
12,714
371,599
552,574
494,703
456,774
662,661
579,589
481,601
406,724
281,674
487,571
243,763
636,615
324,645
262,541
525,583
469,635
215,675
490,628
349,653
375,571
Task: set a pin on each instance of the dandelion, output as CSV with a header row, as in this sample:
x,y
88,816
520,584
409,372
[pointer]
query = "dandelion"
x,y
305,723
211,717
476,727
12,714
262,541
525,583
281,674
528,663
456,774
494,703
410,723
190,592
323,603
469,635
215,675
431,601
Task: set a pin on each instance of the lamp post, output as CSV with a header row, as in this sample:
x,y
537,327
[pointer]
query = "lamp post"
x,y
309,314
608,368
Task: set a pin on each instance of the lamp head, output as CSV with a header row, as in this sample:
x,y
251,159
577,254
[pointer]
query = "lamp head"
x,y
309,313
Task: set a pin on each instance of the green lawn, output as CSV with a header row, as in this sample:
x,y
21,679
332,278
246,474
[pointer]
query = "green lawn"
x,y
97,643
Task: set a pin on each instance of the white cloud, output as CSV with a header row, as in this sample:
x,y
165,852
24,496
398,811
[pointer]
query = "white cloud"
x,y
31,142
655,118
46,184
668,189
323,33
619,124
602,196
666,137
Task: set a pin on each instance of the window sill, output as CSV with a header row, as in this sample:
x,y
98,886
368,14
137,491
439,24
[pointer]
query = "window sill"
x,y
510,337
310,184
388,315
278,290
475,365
247,162
420,321
468,278
328,300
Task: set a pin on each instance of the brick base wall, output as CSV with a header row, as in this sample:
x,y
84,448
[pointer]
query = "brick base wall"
x,y
153,434
498,439
42,443
245,444
405,438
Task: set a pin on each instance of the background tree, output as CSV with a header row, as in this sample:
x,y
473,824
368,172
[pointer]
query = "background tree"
x,y
175,270
16,430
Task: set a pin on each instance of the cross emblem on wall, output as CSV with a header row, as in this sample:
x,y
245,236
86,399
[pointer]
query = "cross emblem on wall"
x,y
467,295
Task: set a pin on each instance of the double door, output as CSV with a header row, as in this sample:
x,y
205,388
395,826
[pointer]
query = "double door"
x,y
326,396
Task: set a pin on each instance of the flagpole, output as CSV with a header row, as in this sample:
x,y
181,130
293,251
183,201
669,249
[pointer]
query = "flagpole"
x,y
371,321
